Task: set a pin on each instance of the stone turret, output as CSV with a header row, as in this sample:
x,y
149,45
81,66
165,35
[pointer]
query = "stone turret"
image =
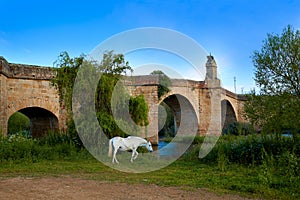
x,y
211,73
214,87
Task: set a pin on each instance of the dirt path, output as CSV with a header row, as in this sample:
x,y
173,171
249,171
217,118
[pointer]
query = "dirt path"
x,y
72,188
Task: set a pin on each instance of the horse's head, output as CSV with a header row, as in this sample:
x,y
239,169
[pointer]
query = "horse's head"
x,y
149,146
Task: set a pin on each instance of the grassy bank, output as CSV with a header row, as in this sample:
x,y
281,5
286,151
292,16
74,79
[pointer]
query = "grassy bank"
x,y
261,175
236,179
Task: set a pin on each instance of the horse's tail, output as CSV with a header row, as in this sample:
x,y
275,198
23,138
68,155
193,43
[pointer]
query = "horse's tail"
x,y
110,148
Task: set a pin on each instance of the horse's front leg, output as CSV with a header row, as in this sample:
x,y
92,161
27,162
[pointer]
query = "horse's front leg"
x,y
133,155
136,155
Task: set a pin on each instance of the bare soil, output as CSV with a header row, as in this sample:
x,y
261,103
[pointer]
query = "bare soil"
x,y
73,188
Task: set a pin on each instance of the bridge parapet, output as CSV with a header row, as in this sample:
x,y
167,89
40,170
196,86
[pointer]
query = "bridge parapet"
x,y
239,97
24,71
154,80
141,80
188,83
4,67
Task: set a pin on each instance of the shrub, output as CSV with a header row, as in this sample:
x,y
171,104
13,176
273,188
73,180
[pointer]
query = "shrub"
x,y
239,128
73,134
249,150
18,148
18,122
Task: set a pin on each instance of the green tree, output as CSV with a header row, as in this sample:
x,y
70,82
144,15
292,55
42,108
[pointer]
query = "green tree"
x,y
164,83
114,64
66,71
277,74
112,67
18,122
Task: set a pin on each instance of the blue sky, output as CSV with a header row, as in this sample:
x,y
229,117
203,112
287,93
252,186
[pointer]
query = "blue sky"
x,y
35,32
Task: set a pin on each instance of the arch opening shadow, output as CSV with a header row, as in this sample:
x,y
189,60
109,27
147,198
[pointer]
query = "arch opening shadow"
x,y
41,121
168,117
228,114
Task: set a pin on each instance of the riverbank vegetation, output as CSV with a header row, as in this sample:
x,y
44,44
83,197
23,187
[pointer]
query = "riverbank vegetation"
x,y
253,166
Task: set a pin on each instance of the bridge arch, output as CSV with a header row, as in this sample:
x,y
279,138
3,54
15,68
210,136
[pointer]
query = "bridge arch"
x,y
229,114
185,117
41,120
43,115
22,103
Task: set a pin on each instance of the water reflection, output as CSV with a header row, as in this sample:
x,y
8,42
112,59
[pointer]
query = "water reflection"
x,y
287,135
168,150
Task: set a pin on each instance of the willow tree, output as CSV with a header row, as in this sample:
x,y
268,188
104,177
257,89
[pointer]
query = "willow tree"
x,y
111,68
277,74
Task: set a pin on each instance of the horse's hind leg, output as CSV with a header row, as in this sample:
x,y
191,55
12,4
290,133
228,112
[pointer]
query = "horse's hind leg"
x,y
136,155
114,159
132,154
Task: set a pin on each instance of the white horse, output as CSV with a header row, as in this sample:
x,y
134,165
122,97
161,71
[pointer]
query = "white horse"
x,y
129,143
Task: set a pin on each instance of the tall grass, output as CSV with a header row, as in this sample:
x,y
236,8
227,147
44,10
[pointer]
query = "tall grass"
x,y
18,148
276,158
249,150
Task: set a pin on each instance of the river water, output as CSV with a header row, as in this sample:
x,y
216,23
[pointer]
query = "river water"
x,y
169,150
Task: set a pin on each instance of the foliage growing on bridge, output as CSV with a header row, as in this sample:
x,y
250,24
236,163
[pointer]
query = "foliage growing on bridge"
x,y
66,68
138,108
112,67
164,83
277,74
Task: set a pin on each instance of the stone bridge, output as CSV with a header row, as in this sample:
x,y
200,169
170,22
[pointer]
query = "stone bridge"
x,y
26,89
201,106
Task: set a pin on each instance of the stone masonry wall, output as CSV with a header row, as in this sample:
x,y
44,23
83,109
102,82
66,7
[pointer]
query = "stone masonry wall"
x,y
3,104
150,95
